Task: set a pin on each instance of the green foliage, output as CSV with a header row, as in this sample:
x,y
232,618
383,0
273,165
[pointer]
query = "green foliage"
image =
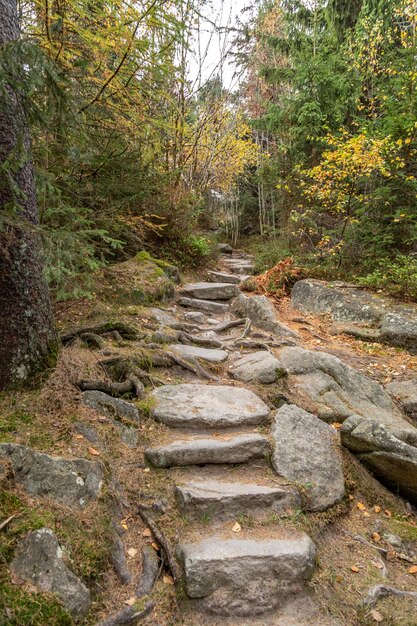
x,y
332,93
397,276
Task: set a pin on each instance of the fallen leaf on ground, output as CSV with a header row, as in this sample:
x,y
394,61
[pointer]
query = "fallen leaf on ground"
x,y
131,601
413,569
387,513
94,452
377,615
147,533
361,506
376,537
337,425
147,469
155,546
236,528
366,514
354,568
123,524
378,565
377,509
168,580
79,437
132,552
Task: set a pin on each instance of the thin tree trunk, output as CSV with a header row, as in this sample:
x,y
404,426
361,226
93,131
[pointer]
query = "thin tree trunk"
x,y
28,340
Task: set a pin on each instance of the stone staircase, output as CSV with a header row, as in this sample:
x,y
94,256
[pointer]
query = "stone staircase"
x,y
229,570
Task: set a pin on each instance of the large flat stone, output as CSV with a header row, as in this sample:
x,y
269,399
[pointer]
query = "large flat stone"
x,y
306,451
358,311
73,482
223,277
263,314
260,367
210,291
204,305
206,406
327,386
38,560
238,449
246,577
195,352
225,500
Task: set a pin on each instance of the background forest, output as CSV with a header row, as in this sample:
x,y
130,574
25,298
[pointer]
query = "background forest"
x,y
313,157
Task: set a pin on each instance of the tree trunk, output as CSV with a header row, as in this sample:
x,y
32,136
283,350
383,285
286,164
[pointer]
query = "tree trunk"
x,y
28,340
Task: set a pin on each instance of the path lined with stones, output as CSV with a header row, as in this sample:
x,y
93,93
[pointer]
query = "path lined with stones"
x,y
232,459
212,427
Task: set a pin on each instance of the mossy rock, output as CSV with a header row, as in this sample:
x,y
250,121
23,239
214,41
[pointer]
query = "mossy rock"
x,y
170,270
139,281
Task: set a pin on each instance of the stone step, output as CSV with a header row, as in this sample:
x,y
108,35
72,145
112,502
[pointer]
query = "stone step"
x,y
222,277
204,305
243,577
236,449
261,367
240,266
205,354
210,291
227,500
207,406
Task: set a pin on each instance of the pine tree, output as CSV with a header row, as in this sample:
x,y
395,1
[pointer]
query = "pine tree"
x,y
27,331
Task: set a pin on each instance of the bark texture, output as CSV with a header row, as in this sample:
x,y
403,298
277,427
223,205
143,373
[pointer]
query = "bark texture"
x,y
28,340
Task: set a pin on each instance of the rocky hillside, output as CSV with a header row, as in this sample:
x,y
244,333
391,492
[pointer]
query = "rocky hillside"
x,y
204,456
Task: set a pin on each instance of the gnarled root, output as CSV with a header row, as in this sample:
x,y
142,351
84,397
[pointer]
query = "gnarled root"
x,y
382,591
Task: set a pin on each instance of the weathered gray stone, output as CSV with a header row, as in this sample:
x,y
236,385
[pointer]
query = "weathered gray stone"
x,y
306,451
262,312
239,265
224,500
328,387
38,559
222,277
238,449
246,577
195,316
112,407
210,291
206,406
163,317
260,367
195,352
204,305
127,434
391,459
73,482
224,248
406,394
358,312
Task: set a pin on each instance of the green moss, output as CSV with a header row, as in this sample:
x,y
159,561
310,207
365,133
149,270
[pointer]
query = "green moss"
x,y
23,609
12,424
27,519
146,405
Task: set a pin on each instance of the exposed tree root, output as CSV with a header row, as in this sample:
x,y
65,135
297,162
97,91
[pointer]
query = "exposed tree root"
x,y
246,331
193,366
383,591
131,386
128,615
92,340
199,341
151,568
125,331
227,325
161,540
119,563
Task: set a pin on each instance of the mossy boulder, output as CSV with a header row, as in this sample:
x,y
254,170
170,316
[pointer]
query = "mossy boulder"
x,y
171,271
138,281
